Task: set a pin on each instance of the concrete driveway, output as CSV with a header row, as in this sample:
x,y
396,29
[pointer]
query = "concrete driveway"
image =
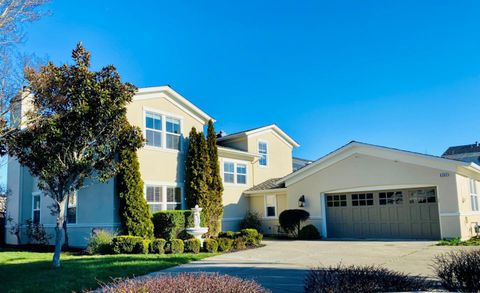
x,y
281,265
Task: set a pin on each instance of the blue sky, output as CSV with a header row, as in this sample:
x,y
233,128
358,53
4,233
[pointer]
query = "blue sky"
x,y
402,74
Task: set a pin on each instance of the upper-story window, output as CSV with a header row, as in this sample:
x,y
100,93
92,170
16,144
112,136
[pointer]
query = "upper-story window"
x,y
473,194
263,152
36,208
173,133
153,125
72,209
235,173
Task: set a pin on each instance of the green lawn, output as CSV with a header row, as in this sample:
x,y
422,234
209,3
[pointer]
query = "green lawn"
x,y
474,241
31,271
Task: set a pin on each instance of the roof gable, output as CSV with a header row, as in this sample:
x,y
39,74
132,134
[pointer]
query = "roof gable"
x,y
175,98
269,128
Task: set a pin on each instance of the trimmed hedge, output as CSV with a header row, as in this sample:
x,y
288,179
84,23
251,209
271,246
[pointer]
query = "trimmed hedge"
x,y
228,234
100,243
171,224
176,246
158,246
129,244
309,232
193,245
239,243
210,245
251,236
225,244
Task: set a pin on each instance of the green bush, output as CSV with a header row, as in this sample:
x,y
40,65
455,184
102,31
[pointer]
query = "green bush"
x,y
290,220
210,245
239,243
158,246
100,243
129,244
225,244
309,232
251,236
172,224
228,234
193,245
251,221
176,246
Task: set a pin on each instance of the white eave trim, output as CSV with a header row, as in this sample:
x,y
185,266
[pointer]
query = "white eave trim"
x,y
227,151
265,191
175,98
281,134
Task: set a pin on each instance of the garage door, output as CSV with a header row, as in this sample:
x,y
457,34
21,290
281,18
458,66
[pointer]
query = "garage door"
x,y
389,214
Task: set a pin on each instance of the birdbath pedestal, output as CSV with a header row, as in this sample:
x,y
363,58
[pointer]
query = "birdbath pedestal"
x,y
197,231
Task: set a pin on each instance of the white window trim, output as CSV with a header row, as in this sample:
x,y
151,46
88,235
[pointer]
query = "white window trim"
x,y
164,186
164,116
76,209
275,206
267,156
235,163
473,195
39,194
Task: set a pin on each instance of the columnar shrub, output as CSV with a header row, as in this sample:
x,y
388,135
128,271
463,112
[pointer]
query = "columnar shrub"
x,y
129,244
309,232
210,245
291,220
176,246
193,282
193,245
368,279
225,244
100,243
459,270
158,246
133,208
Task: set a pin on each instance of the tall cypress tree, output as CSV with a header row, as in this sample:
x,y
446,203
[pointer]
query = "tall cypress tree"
x,y
215,185
196,170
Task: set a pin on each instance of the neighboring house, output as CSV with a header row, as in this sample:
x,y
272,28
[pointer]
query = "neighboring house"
x,y
357,191
466,153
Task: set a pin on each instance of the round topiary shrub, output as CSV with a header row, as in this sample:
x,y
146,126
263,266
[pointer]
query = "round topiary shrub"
x,y
176,246
459,271
193,245
210,245
158,246
291,220
239,243
225,244
309,232
193,282
251,236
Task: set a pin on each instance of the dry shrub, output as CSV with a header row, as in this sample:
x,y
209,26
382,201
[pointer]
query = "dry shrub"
x,y
186,282
344,279
459,270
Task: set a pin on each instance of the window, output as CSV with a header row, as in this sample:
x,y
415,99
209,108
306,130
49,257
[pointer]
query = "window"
x,y
422,196
234,173
36,208
174,198
229,172
271,206
390,197
473,195
160,198
241,174
72,209
153,126
362,199
263,152
337,200
173,133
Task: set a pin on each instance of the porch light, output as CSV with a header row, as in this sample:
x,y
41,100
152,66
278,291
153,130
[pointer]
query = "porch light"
x,y
301,201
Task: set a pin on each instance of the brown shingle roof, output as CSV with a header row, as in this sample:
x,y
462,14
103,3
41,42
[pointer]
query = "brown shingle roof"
x,y
266,185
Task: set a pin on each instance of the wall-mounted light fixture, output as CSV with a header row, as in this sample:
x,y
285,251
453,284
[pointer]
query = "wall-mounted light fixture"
x,y
301,201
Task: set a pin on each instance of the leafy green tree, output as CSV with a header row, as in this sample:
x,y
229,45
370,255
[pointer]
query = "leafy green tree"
x,y
214,209
134,211
75,130
196,170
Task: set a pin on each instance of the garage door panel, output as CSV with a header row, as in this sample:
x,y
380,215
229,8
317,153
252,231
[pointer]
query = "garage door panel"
x,y
404,214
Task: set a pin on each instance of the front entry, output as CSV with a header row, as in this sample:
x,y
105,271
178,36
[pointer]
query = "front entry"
x,y
389,214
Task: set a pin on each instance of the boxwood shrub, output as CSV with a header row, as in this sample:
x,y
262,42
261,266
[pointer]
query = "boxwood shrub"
x,y
193,245
176,246
239,243
170,224
210,245
251,237
158,246
129,244
309,232
225,244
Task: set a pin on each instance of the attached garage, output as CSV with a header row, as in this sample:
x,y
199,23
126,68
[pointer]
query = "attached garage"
x,y
387,214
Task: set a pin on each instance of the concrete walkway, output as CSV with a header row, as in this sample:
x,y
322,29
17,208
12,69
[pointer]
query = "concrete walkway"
x,y
281,266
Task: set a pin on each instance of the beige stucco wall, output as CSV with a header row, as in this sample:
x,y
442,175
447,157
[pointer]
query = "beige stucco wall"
x,y
257,205
366,172
467,218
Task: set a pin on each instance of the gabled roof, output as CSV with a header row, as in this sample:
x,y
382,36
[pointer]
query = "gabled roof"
x,y
175,98
271,127
355,147
462,149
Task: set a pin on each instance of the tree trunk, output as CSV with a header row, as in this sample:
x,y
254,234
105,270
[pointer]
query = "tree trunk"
x,y
59,232
65,243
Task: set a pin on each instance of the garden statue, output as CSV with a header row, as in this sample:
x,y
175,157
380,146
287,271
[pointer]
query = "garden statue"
x,y
197,231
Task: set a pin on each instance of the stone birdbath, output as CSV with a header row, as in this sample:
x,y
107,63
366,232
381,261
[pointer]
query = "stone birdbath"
x,y
197,231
